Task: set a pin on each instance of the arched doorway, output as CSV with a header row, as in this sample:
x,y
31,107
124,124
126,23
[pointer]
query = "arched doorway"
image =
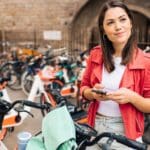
x,y
83,26
143,29
84,29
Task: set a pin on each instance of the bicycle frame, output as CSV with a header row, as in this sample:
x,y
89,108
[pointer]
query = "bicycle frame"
x,y
69,89
38,86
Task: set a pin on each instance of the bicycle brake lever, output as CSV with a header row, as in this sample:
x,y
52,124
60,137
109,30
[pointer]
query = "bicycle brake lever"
x,y
107,145
18,109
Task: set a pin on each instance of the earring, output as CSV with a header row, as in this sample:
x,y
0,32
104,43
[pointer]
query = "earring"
x,y
104,36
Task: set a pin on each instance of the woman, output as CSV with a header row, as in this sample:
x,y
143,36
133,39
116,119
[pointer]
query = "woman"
x,y
122,70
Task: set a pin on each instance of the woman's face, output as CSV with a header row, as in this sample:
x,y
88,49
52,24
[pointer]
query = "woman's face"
x,y
117,25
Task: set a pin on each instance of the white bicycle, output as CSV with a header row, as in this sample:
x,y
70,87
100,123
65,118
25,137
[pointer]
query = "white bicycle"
x,y
16,117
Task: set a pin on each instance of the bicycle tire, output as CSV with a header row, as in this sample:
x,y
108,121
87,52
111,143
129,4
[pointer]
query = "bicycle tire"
x,y
26,82
15,78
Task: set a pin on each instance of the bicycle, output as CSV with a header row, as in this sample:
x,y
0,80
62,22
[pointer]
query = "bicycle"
x,y
72,89
68,85
12,116
78,114
111,137
14,69
9,121
32,68
53,130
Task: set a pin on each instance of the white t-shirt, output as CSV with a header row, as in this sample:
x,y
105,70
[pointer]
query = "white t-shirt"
x,y
111,82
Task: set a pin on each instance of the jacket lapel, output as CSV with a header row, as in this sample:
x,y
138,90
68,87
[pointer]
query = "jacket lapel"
x,y
97,62
137,63
138,60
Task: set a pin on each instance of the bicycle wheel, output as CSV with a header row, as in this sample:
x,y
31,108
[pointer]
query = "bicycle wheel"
x,y
26,82
15,78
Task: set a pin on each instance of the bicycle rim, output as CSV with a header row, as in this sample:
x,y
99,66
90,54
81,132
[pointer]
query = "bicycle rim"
x,y
15,81
26,82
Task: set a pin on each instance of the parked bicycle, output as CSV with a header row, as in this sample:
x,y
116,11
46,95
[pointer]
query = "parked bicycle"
x,y
14,69
68,84
9,121
78,114
16,111
32,68
58,134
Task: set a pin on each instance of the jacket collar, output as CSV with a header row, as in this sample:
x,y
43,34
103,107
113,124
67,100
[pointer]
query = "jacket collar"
x,y
97,59
97,55
138,60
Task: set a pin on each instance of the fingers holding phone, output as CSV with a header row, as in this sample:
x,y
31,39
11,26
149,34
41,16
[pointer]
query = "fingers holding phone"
x,y
99,94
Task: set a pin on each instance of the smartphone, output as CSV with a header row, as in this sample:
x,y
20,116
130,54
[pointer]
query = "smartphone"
x,y
99,91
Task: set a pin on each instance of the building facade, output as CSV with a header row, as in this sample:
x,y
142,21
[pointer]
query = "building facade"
x,y
73,23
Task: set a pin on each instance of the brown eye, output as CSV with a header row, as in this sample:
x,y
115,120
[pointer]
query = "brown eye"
x,y
123,19
109,23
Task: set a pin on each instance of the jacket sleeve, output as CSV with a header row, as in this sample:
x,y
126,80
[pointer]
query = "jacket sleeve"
x,y
86,76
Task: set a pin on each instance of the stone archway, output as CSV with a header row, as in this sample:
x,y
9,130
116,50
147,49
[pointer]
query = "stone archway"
x,y
83,23
143,29
84,27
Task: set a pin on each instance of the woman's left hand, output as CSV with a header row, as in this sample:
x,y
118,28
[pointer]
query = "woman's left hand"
x,y
122,95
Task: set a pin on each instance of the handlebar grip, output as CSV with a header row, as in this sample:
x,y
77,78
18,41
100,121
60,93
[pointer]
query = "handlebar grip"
x,y
35,105
139,145
131,143
119,138
57,96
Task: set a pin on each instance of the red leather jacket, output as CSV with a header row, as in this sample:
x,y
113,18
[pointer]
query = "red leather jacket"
x,y
136,77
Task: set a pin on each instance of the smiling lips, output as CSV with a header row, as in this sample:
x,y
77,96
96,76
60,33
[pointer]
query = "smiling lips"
x,y
120,34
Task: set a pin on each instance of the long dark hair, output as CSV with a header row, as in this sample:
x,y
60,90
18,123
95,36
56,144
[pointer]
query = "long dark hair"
x,y
106,44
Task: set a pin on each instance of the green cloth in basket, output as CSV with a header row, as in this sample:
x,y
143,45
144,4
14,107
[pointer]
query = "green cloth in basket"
x,y
58,132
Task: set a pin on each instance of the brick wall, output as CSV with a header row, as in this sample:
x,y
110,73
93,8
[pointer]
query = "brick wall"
x,y
25,20
22,20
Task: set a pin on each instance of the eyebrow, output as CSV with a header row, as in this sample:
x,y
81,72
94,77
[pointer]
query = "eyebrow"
x,y
113,19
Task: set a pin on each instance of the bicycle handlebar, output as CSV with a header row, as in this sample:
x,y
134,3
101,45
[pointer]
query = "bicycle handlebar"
x,y
119,138
7,106
4,79
35,105
85,130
